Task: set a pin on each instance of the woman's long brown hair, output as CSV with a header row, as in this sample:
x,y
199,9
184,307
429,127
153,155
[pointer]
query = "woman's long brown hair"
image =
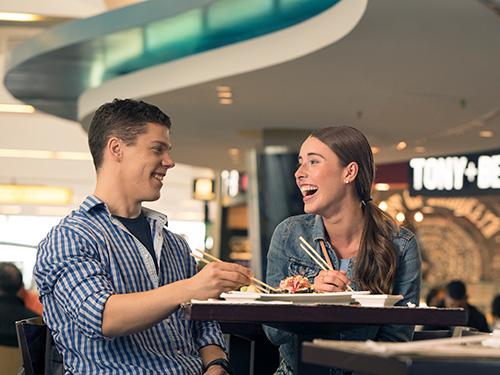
x,y
375,266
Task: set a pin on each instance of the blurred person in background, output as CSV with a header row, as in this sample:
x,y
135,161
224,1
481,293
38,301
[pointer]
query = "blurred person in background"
x,y
435,297
12,307
456,297
495,312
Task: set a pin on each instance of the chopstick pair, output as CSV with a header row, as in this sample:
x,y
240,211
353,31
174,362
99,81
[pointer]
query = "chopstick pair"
x,y
317,258
265,288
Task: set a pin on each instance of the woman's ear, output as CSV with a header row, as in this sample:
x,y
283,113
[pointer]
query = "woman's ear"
x,y
350,172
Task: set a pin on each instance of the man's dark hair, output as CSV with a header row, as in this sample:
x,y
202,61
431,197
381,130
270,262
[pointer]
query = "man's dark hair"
x,y
456,289
11,279
122,118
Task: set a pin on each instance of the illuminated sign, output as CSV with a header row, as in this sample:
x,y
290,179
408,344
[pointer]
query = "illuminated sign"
x,y
456,175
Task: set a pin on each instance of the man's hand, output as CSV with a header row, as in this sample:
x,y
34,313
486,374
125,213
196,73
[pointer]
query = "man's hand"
x,y
218,277
215,370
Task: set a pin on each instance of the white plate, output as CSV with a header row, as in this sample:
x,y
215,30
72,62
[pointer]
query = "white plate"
x,y
377,300
240,296
338,298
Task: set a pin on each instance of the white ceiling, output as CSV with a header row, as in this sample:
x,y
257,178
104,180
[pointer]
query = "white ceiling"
x,y
39,131
425,71
422,71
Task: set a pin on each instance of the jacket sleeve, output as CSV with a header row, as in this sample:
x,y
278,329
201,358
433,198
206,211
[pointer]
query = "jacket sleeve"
x,y
406,283
277,270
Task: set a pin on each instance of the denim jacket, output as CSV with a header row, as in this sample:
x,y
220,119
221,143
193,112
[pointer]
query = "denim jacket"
x,y
286,258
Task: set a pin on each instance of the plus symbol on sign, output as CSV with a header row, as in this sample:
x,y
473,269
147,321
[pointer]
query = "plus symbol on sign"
x,y
471,171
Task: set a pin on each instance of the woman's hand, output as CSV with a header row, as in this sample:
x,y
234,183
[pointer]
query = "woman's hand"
x,y
331,281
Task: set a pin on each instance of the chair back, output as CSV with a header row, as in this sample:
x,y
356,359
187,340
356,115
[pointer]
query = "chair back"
x,y
32,337
10,360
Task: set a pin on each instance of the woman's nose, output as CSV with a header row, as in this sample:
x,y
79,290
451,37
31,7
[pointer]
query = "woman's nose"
x,y
168,162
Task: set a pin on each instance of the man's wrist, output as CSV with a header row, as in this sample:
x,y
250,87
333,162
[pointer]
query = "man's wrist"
x,y
222,362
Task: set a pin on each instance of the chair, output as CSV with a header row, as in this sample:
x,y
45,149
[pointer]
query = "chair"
x,y
38,352
32,337
10,358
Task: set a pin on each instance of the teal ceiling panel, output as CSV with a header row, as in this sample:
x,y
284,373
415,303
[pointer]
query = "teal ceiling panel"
x,y
52,70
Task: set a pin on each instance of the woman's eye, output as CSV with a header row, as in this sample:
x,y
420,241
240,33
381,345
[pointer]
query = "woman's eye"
x,y
313,161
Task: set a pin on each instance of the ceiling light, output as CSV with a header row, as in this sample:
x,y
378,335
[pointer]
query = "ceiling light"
x,y
375,150
223,88
486,133
225,94
383,206
44,154
382,187
400,217
204,189
419,216
420,149
234,152
19,17
401,145
34,194
225,101
17,108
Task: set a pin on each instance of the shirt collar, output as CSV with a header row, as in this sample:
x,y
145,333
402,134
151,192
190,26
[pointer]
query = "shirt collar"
x,y
92,202
318,229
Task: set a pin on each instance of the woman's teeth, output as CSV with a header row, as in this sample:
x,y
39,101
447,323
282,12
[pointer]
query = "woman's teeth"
x,y
308,190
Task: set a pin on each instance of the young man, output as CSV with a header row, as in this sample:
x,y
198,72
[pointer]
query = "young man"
x,y
111,276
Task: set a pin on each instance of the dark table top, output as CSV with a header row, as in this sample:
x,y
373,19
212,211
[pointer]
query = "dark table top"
x,y
401,364
298,318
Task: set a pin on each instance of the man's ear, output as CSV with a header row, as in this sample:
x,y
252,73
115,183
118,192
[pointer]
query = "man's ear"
x,y
114,148
350,172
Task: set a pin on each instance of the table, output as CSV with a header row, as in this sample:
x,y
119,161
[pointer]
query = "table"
x,y
378,364
310,321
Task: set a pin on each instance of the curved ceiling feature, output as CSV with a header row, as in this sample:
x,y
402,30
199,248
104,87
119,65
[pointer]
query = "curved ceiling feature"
x,y
52,70
420,71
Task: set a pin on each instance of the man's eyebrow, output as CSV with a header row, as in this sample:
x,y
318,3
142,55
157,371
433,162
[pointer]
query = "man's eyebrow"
x,y
168,146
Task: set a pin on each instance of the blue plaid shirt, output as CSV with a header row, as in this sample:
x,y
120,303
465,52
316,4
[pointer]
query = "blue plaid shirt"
x,y
88,257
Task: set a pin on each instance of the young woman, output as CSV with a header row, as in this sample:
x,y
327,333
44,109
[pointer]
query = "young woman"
x,y
367,250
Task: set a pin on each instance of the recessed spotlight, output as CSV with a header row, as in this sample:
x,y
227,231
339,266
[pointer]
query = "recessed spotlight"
x,y
226,101
223,88
420,149
486,133
225,94
400,217
375,150
382,187
401,145
419,216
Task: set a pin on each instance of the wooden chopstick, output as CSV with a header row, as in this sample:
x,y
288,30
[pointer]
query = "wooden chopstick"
x,y
314,255
317,258
215,259
320,264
